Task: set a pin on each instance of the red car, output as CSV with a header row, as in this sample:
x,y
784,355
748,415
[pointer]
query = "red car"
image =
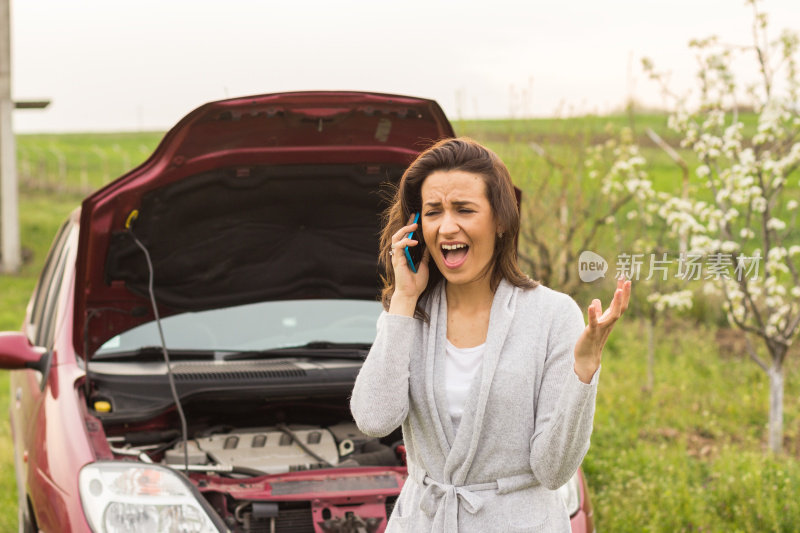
x,y
187,357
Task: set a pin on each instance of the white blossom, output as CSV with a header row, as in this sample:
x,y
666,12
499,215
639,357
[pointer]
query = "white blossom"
x,y
747,157
776,254
729,246
759,204
711,289
679,300
776,224
731,214
702,243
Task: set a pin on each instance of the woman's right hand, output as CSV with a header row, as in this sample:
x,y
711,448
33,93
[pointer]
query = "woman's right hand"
x,y
407,285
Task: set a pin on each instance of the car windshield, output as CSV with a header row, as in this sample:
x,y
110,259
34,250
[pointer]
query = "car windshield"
x,y
259,326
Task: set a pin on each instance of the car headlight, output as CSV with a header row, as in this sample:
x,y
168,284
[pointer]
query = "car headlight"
x,y
571,494
121,497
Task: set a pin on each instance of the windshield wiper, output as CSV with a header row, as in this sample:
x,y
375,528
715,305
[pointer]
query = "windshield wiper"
x,y
154,353
326,349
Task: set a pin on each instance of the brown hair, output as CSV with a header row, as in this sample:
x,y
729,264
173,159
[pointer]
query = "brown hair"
x,y
468,156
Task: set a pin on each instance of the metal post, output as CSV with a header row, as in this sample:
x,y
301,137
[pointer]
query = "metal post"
x,y
9,211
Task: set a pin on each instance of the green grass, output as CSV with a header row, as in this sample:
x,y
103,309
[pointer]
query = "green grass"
x,y
40,216
590,127
80,161
690,454
687,456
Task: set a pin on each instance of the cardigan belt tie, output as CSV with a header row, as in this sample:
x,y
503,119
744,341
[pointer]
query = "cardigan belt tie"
x,y
443,497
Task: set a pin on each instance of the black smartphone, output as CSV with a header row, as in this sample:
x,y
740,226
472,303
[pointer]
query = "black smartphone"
x,y
414,253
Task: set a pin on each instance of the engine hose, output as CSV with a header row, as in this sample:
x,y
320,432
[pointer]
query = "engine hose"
x,y
241,470
247,471
284,428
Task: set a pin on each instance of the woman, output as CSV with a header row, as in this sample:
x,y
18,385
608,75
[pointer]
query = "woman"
x,y
492,376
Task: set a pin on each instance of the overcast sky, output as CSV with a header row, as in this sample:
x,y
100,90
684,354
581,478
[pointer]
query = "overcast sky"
x,y
124,65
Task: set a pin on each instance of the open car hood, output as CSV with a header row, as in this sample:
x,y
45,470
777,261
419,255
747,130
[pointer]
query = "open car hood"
x,y
258,198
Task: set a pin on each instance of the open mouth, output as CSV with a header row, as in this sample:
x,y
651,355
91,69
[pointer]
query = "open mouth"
x,y
455,254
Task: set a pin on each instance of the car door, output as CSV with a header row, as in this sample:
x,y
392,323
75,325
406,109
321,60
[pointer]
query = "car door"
x,y
27,385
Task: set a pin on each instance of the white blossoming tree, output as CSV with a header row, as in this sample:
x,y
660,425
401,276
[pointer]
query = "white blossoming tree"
x,y
589,202
740,214
664,293
573,200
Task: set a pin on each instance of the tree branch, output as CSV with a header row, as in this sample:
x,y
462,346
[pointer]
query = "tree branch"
x,y
760,52
761,330
791,329
753,355
746,291
600,221
793,270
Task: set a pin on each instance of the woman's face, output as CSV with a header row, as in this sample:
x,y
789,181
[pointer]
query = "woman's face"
x,y
458,225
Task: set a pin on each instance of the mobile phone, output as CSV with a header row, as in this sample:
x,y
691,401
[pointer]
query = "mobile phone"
x,y
414,253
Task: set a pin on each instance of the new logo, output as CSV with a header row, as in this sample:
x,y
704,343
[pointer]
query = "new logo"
x,y
591,266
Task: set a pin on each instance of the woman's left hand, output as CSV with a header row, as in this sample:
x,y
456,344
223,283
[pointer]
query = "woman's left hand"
x,y
589,348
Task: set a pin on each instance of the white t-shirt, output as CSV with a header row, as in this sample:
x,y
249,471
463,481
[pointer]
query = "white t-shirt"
x,y
461,365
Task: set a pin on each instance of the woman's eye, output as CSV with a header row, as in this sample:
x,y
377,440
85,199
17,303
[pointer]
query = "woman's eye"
x,y
465,210
430,213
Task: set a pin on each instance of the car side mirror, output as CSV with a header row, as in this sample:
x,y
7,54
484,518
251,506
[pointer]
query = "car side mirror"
x,y
17,352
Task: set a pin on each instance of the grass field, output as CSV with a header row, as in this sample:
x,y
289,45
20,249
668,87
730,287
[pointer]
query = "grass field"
x,y
80,161
689,455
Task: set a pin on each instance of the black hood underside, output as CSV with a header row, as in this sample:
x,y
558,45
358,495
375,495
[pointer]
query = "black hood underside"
x,y
245,234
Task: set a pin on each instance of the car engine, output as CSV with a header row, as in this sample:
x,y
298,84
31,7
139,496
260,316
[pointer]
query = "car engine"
x,y
270,444
281,449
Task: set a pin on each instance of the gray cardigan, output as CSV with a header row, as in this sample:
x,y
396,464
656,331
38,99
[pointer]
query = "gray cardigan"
x,y
526,423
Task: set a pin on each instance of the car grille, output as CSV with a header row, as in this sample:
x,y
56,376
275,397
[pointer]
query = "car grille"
x,y
235,371
335,484
298,520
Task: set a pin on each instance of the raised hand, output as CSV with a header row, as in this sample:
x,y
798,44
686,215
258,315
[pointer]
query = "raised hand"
x,y
589,348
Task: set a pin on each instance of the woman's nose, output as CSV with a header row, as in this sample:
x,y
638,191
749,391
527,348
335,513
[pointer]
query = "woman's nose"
x,y
448,225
